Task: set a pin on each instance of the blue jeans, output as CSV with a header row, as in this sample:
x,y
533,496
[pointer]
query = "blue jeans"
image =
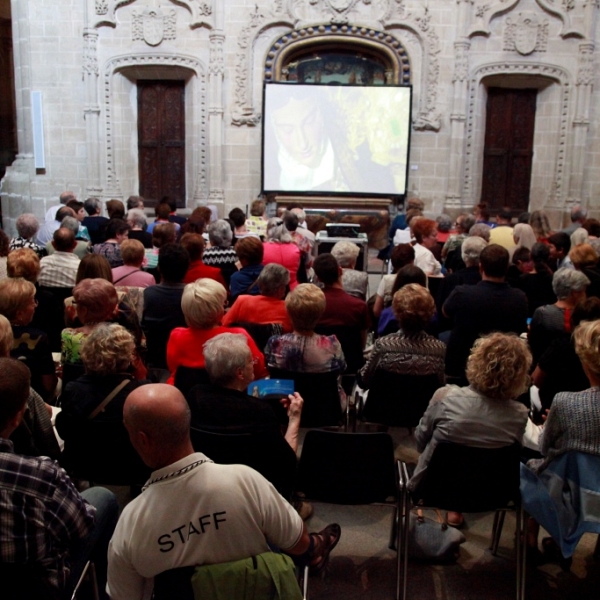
x,y
95,546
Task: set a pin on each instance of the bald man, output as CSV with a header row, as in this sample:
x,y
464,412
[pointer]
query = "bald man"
x,y
192,511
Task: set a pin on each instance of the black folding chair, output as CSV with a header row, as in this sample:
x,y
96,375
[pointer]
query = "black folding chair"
x,y
468,479
187,377
270,455
350,468
260,333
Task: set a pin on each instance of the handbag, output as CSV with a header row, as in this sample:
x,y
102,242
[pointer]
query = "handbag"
x,y
431,539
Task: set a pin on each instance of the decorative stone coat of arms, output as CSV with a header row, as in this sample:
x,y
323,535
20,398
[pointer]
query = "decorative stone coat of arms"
x,y
526,34
152,25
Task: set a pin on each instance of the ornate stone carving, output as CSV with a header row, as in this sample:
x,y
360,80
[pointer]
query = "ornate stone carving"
x,y
533,69
461,61
154,60
585,71
153,26
526,34
216,62
101,7
90,56
204,9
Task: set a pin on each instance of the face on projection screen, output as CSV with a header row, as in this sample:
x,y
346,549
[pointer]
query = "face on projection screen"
x,y
336,139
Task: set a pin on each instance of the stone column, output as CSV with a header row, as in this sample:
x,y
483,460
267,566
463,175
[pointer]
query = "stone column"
x,y
91,111
458,115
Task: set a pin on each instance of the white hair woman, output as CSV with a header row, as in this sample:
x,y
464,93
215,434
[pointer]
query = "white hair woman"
x,y
27,226
355,283
280,249
221,253
203,303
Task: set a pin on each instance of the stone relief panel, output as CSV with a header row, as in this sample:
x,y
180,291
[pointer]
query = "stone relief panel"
x,y
152,25
473,149
525,34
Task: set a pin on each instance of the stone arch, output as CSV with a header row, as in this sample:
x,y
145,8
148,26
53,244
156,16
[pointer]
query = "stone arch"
x,y
113,100
540,76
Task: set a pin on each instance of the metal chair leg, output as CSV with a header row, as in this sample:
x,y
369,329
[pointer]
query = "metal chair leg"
x,y
497,530
521,535
305,584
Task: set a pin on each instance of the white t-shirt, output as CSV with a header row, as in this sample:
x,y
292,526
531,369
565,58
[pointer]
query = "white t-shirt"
x,y
195,512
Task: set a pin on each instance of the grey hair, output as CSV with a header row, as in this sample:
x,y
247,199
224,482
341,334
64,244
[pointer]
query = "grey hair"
x,y
579,236
301,214
467,222
220,234
70,223
482,230
137,218
471,250
566,280
345,253
27,225
92,206
578,213
272,278
444,223
134,202
277,231
224,354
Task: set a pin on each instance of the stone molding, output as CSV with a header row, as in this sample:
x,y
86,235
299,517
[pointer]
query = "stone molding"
x,y
554,72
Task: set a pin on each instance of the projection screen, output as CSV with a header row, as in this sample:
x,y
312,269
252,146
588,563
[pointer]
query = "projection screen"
x,y
342,139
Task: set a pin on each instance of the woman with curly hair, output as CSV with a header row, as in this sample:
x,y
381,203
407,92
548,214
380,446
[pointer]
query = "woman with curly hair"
x,y
97,445
483,414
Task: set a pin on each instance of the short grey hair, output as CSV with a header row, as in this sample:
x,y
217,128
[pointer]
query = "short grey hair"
x,y
578,213
470,250
566,280
27,225
92,206
345,253
224,354
272,278
301,214
134,202
482,230
467,222
277,231
137,218
444,223
70,223
220,234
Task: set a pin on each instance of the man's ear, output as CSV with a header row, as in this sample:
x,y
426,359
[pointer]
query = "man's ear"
x,y
53,244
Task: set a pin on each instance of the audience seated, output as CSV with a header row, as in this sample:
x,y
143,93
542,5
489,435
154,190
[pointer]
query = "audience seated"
x,y
425,233
585,259
117,231
537,284
95,222
560,245
402,255
53,530
82,247
280,249
46,231
502,234
451,256
269,306
524,237
484,414
115,209
291,221
221,253
97,446
60,269
194,244
80,213
162,302
257,223
136,219
163,234
355,283
520,263
173,217
27,226
552,321
540,225
490,305
203,303
131,274
411,351
30,345
250,253
163,215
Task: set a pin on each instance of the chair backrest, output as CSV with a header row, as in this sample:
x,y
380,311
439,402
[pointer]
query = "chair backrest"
x,y
399,400
270,455
320,393
259,332
347,468
187,377
350,339
470,479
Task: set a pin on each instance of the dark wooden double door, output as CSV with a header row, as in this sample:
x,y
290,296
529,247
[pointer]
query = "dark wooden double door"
x,y
508,152
161,140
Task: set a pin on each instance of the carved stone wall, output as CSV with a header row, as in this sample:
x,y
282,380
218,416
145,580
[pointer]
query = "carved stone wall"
x,y
85,58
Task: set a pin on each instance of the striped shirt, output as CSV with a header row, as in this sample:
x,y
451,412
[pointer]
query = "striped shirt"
x,y
59,270
43,514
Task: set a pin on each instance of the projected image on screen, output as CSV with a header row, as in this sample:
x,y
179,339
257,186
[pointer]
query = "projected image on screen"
x,y
336,139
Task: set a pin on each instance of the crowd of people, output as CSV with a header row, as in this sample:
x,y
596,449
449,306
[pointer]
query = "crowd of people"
x,y
479,306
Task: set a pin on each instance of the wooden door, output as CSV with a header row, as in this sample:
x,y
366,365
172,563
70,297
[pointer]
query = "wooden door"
x,y
508,151
161,140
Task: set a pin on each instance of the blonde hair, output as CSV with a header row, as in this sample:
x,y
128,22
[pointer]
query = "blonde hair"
x,y
345,253
414,307
583,255
107,350
305,306
15,293
498,366
6,337
202,303
132,252
587,345
25,263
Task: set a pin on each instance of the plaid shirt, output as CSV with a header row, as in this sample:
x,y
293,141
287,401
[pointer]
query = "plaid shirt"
x,y
42,514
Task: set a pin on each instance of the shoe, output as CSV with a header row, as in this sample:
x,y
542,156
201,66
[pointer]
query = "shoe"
x,y
455,519
331,536
304,509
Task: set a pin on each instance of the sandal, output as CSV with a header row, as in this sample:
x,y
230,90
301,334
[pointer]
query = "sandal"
x,y
330,536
